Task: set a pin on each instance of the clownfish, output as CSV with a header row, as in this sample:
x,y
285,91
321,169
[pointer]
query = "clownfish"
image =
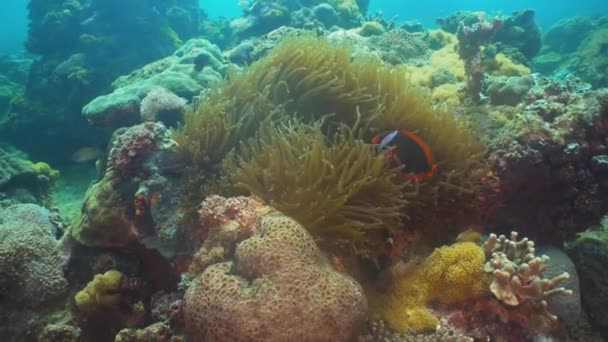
x,y
409,150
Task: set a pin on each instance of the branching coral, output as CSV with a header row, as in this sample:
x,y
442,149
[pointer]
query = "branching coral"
x,y
517,274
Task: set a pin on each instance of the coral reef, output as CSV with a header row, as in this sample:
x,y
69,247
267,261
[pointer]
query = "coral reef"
x,y
548,155
470,41
136,200
577,46
83,46
272,283
309,78
192,68
520,36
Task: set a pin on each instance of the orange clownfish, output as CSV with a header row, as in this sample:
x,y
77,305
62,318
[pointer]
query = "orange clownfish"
x,y
407,149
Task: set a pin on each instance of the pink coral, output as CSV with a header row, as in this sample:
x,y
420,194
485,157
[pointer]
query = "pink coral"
x,y
131,147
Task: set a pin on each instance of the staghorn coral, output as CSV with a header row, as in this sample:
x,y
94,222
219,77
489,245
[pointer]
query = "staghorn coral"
x,y
338,189
517,276
451,274
308,78
273,284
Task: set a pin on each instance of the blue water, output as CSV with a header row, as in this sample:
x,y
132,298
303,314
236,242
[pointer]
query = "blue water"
x,y
548,11
13,25
13,15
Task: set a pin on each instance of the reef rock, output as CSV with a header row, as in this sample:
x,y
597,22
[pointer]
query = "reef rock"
x,y
137,198
589,252
509,90
192,68
261,277
578,46
548,157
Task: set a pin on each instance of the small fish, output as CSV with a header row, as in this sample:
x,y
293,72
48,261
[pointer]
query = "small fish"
x,y
243,4
407,149
86,154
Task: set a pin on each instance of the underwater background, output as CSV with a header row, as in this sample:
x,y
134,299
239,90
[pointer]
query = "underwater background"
x,y
303,170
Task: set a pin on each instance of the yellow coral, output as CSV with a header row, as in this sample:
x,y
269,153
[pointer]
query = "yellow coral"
x,y
102,291
446,94
445,58
449,275
455,273
45,169
504,66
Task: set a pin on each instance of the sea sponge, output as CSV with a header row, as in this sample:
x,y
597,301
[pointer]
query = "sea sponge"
x,y
451,274
277,286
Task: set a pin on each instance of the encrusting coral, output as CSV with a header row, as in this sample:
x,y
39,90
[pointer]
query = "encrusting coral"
x,y
109,293
308,78
517,274
271,284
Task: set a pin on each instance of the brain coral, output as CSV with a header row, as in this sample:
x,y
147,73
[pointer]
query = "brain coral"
x,y
30,260
278,287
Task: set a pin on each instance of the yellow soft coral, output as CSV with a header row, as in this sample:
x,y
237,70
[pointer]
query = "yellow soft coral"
x,y
446,94
444,58
454,273
102,291
449,275
504,66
